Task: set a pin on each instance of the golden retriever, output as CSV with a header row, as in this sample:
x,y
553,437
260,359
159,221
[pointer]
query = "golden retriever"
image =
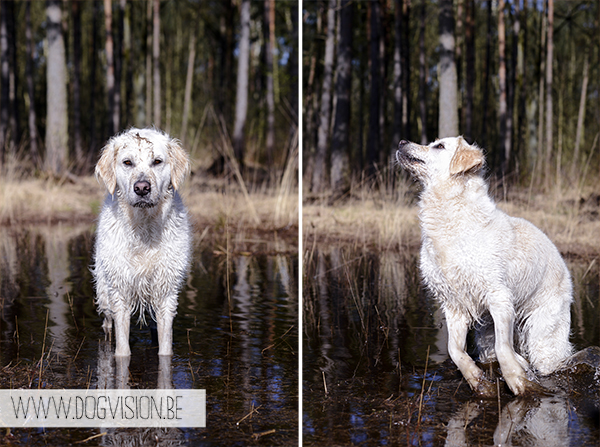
x,y
144,238
481,263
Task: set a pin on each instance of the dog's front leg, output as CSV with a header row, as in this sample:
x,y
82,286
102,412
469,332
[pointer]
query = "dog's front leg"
x,y
503,315
458,327
164,328
122,320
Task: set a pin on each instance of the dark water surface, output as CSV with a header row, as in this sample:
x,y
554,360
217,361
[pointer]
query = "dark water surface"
x,y
235,335
376,369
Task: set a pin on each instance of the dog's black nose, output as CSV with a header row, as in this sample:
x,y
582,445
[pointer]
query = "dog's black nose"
x,y
142,188
402,143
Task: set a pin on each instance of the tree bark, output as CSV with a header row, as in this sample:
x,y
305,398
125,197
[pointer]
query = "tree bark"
x,y
397,125
156,62
581,115
77,143
56,72
241,102
448,119
470,68
504,144
373,143
187,100
422,75
320,171
31,116
486,77
340,140
148,116
110,68
270,47
4,81
549,112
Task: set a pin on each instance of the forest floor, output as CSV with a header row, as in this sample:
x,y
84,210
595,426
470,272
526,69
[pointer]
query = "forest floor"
x,y
219,208
382,220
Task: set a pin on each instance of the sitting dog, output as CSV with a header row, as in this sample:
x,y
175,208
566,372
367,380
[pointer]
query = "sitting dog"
x,y
479,262
143,245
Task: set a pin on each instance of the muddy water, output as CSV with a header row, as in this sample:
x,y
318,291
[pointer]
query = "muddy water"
x,y
235,335
376,368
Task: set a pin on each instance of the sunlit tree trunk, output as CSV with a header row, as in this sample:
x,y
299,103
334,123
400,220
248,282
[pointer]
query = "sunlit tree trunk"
x,y
581,115
503,142
448,117
187,99
470,68
110,67
156,62
241,102
549,112
340,140
76,84
320,169
56,73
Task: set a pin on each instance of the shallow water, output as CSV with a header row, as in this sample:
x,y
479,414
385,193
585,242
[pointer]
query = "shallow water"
x,y
235,335
376,368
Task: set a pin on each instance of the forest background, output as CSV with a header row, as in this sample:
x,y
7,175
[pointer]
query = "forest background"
x,y
519,78
221,76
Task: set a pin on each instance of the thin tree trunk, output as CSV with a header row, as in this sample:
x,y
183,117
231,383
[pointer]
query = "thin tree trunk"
x,y
448,118
149,8
504,144
270,44
540,159
397,125
92,81
470,68
156,62
77,144
373,143
580,115
110,67
32,119
549,112
241,102
13,78
56,118
129,107
4,81
422,74
320,171
187,100
486,77
340,140
119,65
406,109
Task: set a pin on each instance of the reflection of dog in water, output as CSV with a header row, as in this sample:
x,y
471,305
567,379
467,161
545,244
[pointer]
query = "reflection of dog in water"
x,y
479,262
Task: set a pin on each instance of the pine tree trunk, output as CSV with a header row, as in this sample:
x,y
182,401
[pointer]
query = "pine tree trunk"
x,y
504,148
340,140
470,68
110,67
448,117
4,81
397,125
187,99
31,116
149,8
581,115
422,75
373,143
549,112
156,62
241,102
56,119
77,143
320,171
270,44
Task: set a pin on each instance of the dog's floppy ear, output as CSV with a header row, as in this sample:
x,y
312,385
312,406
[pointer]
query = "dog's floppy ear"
x,y
466,158
180,163
105,168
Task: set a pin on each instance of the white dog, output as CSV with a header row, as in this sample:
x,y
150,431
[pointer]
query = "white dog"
x,y
144,238
479,262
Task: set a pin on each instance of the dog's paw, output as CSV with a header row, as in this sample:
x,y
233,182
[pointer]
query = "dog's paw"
x,y
521,386
485,387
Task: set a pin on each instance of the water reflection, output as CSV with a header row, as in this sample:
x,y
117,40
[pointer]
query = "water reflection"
x,y
235,335
376,368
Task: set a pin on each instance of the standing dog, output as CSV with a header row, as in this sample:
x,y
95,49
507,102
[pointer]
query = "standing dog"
x,y
479,262
144,238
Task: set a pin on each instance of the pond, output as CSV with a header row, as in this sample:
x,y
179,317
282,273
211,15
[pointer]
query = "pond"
x,y
235,335
376,369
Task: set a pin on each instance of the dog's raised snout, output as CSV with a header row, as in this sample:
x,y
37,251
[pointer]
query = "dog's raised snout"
x,y
402,143
142,188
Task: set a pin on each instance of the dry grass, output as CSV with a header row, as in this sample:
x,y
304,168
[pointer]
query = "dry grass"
x,y
378,216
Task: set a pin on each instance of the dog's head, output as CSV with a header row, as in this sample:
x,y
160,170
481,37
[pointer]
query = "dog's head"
x,y
440,161
142,166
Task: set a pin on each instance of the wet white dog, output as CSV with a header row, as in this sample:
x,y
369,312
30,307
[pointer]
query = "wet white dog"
x,y
479,262
144,238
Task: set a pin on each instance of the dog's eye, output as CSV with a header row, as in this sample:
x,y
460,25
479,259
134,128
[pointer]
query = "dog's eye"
x,y
439,146
127,162
157,162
